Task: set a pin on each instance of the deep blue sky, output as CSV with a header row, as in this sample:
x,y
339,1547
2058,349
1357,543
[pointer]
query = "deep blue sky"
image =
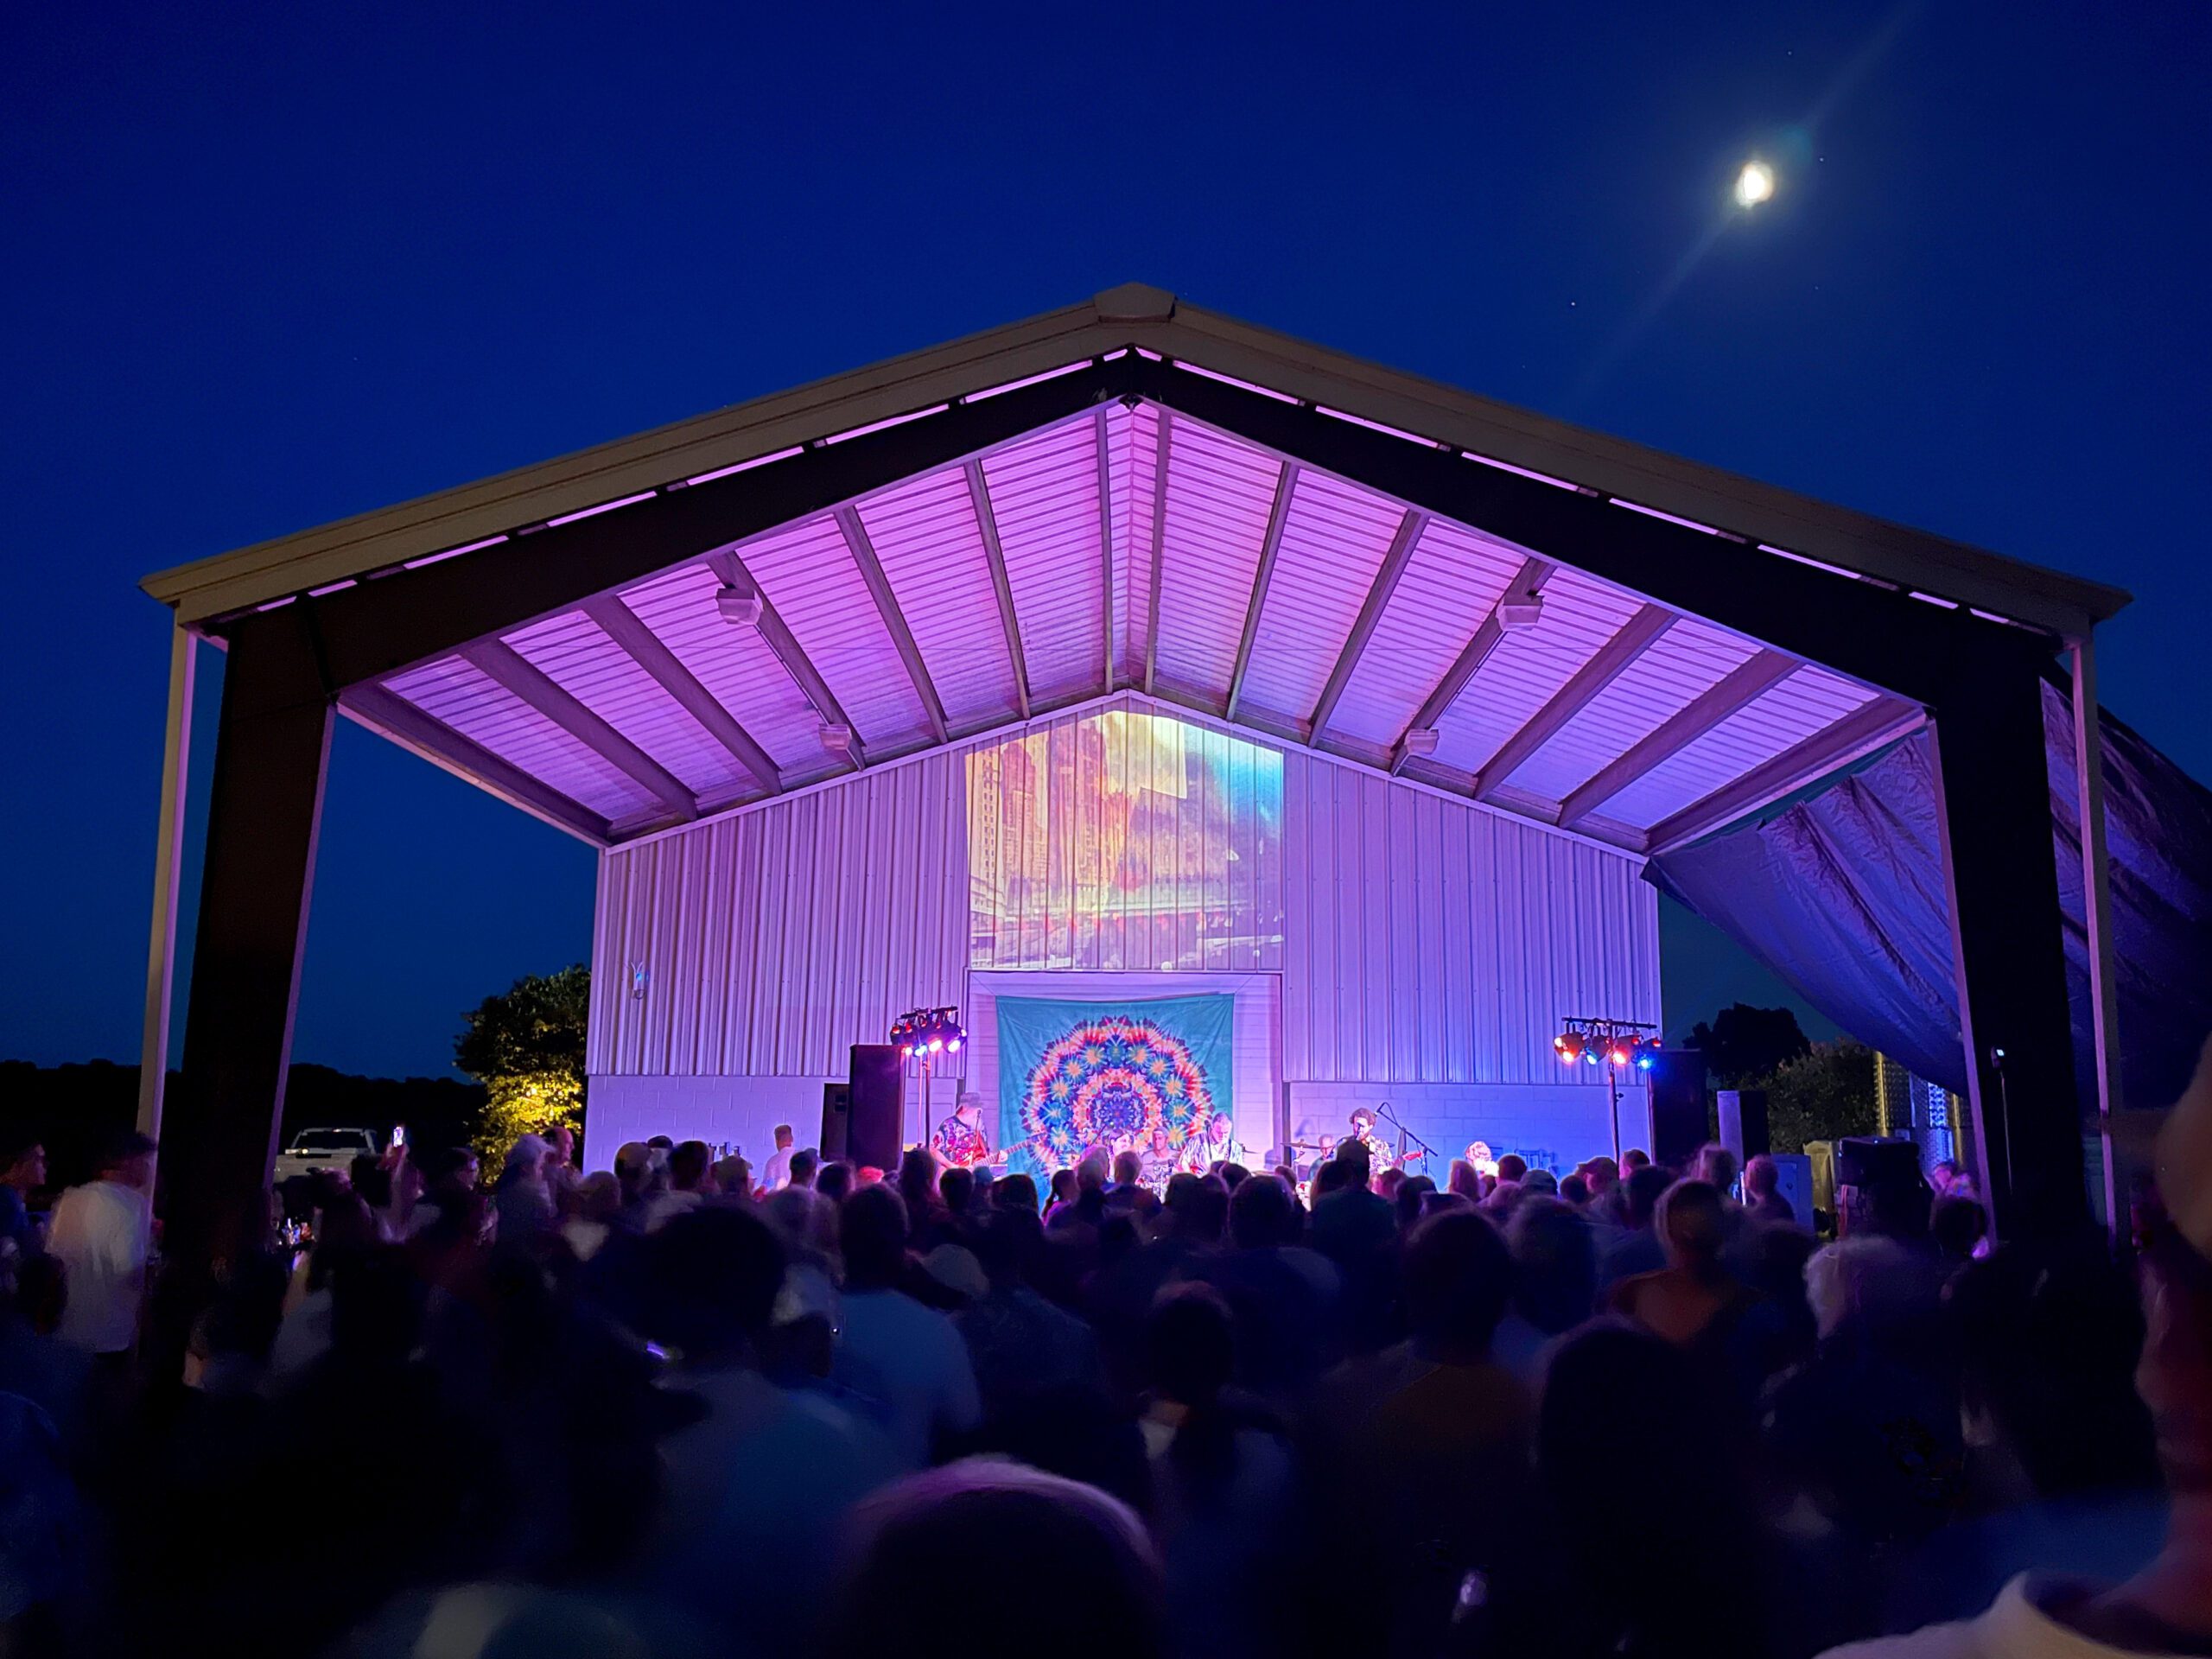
x,y
270,268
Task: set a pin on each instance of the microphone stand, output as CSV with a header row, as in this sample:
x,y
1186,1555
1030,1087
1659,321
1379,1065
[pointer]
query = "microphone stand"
x,y
1405,1135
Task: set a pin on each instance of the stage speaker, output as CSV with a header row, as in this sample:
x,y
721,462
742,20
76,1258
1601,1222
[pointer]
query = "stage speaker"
x,y
1677,1082
1743,1122
878,1104
836,1117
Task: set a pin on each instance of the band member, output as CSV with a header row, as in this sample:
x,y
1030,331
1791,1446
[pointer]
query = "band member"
x,y
1158,1161
961,1140
1480,1159
1220,1144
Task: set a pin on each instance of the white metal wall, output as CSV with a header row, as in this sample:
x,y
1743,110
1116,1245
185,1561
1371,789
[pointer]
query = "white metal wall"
x,y
1428,948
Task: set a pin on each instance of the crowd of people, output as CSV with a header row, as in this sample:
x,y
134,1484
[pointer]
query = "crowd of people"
x,y
683,1407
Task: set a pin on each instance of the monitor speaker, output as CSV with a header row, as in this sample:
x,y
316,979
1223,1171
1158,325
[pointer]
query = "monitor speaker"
x,y
1677,1082
878,1083
1743,1122
836,1117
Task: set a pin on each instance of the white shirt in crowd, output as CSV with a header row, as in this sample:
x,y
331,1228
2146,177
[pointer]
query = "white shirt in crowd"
x,y
101,1233
776,1173
2016,1626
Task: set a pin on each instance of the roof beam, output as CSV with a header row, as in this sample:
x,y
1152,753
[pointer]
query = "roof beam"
x,y
503,664
1269,546
1370,613
779,639
384,710
1159,541
979,494
1877,723
623,626
894,620
1105,546
1532,574
1614,658
1746,683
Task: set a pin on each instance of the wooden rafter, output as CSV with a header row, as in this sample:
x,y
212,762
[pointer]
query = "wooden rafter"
x,y
1531,578
894,620
1159,545
1859,732
1269,545
1748,682
508,666
621,625
776,635
1370,613
1612,659
979,494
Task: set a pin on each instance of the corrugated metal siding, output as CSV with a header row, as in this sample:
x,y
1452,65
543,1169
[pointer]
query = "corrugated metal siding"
x,y
1422,941
485,712
1808,702
1450,586
927,537
774,939
1219,491
1679,667
810,577
1528,669
574,653
734,662
1333,544
1430,942
1045,497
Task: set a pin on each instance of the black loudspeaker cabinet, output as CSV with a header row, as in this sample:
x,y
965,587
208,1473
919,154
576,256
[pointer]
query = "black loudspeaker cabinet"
x,y
1868,1161
836,1116
1743,1122
1677,1082
878,1104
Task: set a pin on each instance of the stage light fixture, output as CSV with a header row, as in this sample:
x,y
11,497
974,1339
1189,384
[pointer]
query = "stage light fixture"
x,y
1569,1045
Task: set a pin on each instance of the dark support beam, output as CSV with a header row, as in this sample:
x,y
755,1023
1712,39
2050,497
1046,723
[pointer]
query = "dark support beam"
x,y
1370,613
2008,933
894,619
263,817
778,638
378,627
1105,546
1159,460
387,711
1861,629
1269,545
1860,732
621,625
1614,658
1746,684
979,494
503,664
1530,580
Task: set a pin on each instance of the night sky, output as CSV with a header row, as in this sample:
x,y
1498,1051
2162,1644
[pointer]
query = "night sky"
x,y
305,261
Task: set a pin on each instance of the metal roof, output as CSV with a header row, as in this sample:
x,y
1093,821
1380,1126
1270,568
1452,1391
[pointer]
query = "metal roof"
x,y
1131,545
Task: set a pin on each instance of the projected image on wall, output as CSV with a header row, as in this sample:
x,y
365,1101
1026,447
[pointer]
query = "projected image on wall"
x,y
1121,840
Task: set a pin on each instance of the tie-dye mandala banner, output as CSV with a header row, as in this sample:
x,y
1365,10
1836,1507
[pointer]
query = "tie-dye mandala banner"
x,y
1075,1075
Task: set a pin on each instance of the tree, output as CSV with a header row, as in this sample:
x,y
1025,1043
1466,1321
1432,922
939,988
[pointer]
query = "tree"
x,y
527,1049
1825,1093
1743,1044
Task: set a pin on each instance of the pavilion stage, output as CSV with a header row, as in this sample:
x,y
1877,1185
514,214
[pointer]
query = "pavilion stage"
x,y
1130,657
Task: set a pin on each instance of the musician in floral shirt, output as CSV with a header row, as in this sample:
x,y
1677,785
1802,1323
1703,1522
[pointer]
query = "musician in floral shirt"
x,y
960,1140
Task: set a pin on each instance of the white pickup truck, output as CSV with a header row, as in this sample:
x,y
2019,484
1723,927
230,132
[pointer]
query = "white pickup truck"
x,y
313,1149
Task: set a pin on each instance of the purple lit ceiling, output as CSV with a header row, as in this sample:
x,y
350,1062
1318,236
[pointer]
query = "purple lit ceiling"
x,y
1023,580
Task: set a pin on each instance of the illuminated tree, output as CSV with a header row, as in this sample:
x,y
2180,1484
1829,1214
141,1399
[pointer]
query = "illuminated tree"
x,y
527,1049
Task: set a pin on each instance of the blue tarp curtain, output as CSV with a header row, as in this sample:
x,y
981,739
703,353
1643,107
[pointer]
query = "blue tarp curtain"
x,y
1841,893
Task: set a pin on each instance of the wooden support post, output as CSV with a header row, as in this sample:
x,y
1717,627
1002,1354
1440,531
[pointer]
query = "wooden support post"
x,y
263,817
2008,951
